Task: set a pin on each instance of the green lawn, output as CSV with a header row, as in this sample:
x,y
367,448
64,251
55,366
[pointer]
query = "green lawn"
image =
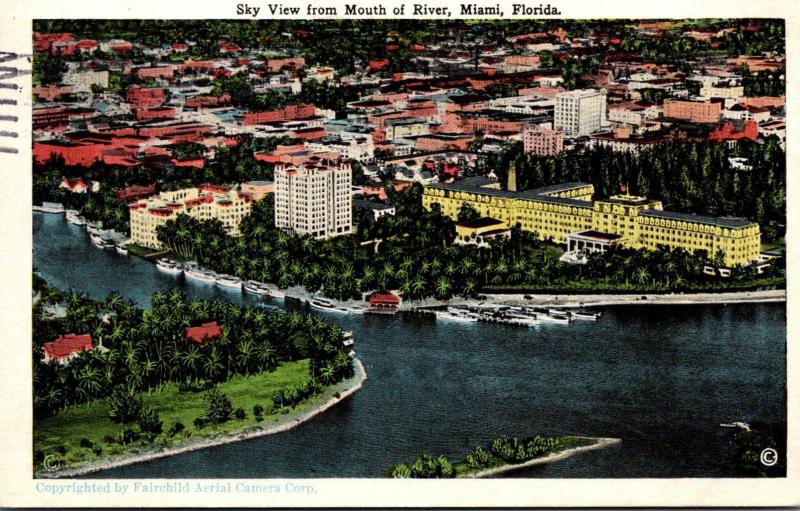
x,y
90,421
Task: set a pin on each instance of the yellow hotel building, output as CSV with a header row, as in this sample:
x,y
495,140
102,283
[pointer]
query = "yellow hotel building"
x,y
203,203
555,212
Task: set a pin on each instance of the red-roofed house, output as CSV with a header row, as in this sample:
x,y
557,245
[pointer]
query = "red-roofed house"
x,y
74,185
205,332
384,301
66,347
378,64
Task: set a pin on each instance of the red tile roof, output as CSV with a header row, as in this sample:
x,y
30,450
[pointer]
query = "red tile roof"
x,y
384,299
66,346
206,331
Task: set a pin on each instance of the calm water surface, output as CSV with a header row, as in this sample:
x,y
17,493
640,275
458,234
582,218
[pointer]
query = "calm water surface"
x,y
661,378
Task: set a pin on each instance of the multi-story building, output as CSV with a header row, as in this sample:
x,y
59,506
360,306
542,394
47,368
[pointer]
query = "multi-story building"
x,y
542,141
206,202
314,199
86,78
559,211
694,111
580,112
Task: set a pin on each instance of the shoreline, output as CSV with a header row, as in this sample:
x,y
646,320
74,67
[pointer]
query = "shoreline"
x,y
601,443
354,384
597,300
557,300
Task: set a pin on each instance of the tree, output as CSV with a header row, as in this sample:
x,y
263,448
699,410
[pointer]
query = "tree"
x,y
123,405
218,407
149,421
467,213
400,471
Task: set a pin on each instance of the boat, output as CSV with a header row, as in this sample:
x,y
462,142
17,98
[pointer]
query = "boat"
x,y
121,250
546,318
351,354
256,287
347,339
740,425
585,315
556,312
320,303
50,207
458,315
228,281
72,216
201,275
169,266
92,228
276,293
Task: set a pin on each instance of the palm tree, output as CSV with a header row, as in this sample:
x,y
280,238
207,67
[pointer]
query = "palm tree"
x,y
442,287
642,275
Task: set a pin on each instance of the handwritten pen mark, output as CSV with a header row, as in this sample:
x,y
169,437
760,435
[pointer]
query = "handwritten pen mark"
x,y
9,134
11,118
10,150
8,101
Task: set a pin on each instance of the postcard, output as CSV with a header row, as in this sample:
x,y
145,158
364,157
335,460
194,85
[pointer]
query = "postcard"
x,y
414,254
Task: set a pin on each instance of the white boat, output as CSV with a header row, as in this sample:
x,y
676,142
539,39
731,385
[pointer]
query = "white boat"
x,y
276,293
72,216
201,275
585,316
256,287
92,228
347,339
121,250
169,266
458,315
321,303
740,425
351,354
554,319
556,312
50,207
324,304
228,281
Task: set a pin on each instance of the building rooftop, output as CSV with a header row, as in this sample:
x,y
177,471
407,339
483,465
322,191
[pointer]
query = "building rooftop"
x,y
479,185
725,221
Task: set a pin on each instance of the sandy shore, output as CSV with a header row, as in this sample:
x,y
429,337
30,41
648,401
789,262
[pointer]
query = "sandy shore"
x,y
353,384
590,300
599,444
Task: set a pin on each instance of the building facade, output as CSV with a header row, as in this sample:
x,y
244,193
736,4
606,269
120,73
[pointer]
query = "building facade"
x,y
580,112
542,142
694,111
554,212
314,199
206,202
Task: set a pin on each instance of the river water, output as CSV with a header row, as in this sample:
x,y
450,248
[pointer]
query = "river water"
x,y
660,377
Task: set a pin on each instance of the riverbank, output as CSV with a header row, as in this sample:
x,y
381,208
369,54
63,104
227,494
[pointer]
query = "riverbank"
x,y
330,397
600,443
597,300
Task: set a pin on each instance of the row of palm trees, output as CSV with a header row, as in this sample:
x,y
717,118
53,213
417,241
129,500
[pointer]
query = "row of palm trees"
x,y
145,349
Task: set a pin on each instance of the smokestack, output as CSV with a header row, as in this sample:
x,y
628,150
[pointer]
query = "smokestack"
x,y
512,177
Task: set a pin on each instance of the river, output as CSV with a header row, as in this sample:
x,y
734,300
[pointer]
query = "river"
x,y
661,378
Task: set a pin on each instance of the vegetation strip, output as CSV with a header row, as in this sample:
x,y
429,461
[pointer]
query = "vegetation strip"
x,y
503,454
